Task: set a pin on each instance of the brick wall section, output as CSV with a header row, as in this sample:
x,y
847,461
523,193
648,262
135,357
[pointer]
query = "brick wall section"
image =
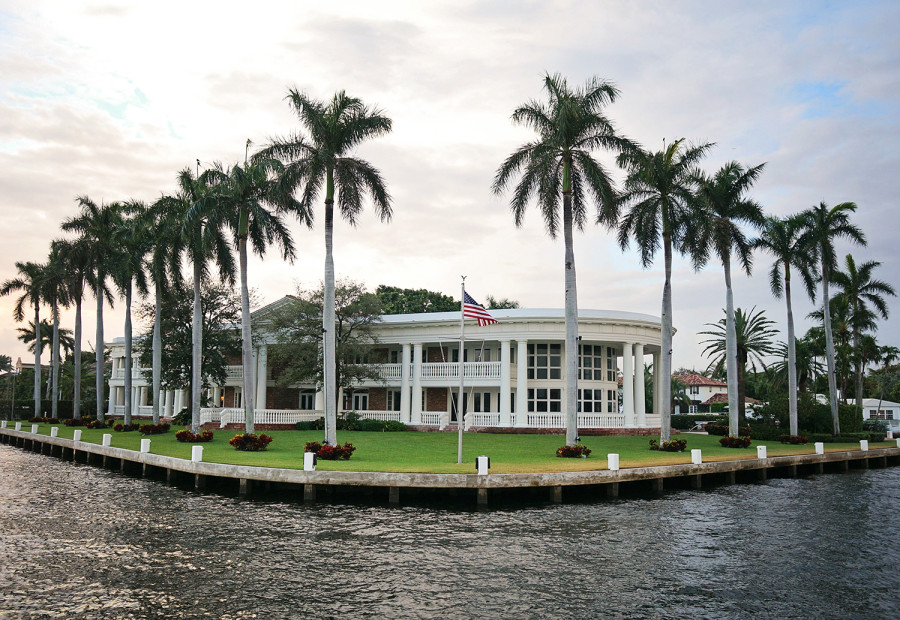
x,y
228,394
377,399
282,397
434,355
435,399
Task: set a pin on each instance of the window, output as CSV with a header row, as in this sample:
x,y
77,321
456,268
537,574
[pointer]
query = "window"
x,y
356,400
545,361
393,400
590,401
307,400
590,362
543,400
612,401
394,357
237,398
695,389
454,355
610,364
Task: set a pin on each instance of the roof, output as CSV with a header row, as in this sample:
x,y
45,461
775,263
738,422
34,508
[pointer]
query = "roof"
x,y
873,402
697,379
722,397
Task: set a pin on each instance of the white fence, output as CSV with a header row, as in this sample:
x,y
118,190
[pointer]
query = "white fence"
x,y
471,370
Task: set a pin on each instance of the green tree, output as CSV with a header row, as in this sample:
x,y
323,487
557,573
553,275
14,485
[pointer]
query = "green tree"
x,y
26,336
396,300
752,342
30,282
805,367
323,156
505,303
661,212
725,209
559,165
94,224
824,226
783,238
243,200
298,328
887,377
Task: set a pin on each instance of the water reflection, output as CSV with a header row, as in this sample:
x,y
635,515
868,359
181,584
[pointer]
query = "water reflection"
x,y
81,542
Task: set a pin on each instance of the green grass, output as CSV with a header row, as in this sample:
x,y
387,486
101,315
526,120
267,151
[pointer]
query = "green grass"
x,y
436,452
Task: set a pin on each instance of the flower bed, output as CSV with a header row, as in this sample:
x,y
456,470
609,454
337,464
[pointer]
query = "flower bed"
x,y
673,445
722,429
577,451
44,420
186,436
735,442
125,428
249,442
795,440
156,429
96,424
331,453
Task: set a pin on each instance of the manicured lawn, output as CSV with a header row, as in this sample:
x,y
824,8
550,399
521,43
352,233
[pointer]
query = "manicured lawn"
x,y
436,452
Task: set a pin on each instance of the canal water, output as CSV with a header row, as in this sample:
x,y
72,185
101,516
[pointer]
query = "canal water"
x,y
81,542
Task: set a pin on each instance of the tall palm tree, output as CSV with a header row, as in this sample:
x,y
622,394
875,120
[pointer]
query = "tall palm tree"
x,y
887,355
824,226
866,299
30,282
56,293
132,242
560,164
725,209
324,156
66,342
242,200
659,193
783,238
76,256
95,224
752,341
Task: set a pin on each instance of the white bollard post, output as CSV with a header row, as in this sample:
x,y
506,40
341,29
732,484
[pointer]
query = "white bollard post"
x,y
898,443
612,462
34,428
889,435
760,452
820,447
309,461
864,445
54,432
197,454
145,445
482,465
107,439
2,423
18,426
696,457
76,436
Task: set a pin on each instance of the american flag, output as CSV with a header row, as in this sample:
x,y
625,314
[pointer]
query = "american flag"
x,y
475,310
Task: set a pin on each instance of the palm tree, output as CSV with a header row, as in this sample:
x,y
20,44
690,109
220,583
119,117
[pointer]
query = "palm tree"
x,y
753,340
75,255
56,292
94,224
861,291
658,191
31,282
240,201
887,355
823,226
724,209
783,239
65,341
805,366
132,242
325,157
559,164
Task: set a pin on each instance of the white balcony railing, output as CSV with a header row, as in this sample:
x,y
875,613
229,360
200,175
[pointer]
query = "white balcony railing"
x,y
234,372
471,370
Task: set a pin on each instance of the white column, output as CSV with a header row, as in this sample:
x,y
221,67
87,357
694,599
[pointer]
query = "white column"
x,y
417,404
521,383
179,401
216,396
112,399
657,385
168,402
505,383
262,373
320,399
628,383
405,361
640,405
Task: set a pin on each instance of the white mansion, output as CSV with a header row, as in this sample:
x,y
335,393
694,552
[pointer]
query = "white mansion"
x,y
513,372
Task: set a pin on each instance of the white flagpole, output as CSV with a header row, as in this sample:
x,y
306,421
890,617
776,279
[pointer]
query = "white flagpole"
x,y
460,409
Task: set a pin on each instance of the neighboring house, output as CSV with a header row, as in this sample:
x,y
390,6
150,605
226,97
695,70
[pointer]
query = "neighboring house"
x,y
513,372
700,389
888,411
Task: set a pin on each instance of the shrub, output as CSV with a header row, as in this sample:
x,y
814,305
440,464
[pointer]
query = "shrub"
x,y
673,445
186,436
314,425
98,424
154,429
795,440
250,442
182,418
331,453
353,422
735,442
722,429
43,420
382,426
684,422
846,437
312,446
119,427
72,422
577,451
765,432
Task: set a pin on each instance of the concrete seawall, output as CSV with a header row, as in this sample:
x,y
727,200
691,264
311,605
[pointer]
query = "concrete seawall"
x,y
541,486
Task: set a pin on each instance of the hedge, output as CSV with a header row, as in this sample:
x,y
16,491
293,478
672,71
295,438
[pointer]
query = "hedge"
x,y
684,422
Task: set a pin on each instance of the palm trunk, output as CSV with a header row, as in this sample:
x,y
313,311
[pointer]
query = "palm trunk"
x,y
742,390
197,350
571,315
829,354
129,380
328,322
76,381
98,353
792,355
246,343
731,370
37,359
54,361
860,369
665,357
157,355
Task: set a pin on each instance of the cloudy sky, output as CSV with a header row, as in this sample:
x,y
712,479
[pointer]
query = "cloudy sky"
x,y
111,99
